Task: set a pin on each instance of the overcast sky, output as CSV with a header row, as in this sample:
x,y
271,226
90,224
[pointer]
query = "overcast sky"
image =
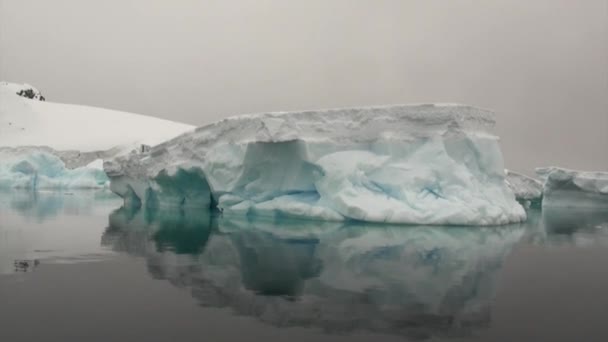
x,y
541,65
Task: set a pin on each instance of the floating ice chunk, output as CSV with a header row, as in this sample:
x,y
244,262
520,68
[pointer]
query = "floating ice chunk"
x,y
37,169
527,190
571,188
419,164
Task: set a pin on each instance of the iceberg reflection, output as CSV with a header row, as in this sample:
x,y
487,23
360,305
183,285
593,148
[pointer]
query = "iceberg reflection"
x,y
415,281
41,227
44,205
577,226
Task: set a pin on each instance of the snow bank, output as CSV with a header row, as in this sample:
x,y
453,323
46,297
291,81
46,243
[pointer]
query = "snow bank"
x,y
426,164
38,169
28,122
576,189
527,190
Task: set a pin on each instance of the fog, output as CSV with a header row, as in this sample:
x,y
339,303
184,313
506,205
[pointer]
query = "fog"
x,y
541,65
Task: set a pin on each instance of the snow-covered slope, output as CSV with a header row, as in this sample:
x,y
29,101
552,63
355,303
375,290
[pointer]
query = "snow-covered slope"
x,y
527,190
47,145
29,122
576,189
427,164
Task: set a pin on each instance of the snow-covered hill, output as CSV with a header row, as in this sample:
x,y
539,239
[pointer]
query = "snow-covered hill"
x,y
61,146
31,122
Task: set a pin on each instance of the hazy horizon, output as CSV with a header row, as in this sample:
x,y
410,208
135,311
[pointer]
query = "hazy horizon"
x,y
542,66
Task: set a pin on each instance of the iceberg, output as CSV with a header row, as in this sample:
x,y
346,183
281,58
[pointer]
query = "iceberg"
x,y
564,188
43,169
528,191
415,164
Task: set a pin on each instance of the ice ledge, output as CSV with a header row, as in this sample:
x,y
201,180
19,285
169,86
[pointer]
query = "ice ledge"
x,y
361,123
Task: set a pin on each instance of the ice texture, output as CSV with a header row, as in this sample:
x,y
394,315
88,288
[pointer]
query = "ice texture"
x,y
527,190
419,164
574,189
42,169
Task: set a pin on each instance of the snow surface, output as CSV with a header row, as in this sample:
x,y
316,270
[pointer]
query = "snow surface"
x,y
29,122
576,189
425,164
47,145
527,190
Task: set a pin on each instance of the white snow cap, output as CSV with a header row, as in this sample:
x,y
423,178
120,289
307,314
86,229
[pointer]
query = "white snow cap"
x,y
29,122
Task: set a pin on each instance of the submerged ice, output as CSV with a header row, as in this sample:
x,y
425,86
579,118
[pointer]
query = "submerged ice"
x,y
422,164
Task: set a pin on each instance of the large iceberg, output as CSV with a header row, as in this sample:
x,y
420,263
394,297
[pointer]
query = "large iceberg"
x,y
575,189
419,164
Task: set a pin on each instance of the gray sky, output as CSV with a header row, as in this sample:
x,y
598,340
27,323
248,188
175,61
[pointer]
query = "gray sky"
x,y
542,65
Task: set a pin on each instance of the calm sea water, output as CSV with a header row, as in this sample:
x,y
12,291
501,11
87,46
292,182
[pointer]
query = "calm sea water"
x,y
77,267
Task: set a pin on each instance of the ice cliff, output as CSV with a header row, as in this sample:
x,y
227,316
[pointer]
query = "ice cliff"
x,y
419,164
575,189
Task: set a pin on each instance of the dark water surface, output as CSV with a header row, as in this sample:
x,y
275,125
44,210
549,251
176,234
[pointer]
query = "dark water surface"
x,y
75,267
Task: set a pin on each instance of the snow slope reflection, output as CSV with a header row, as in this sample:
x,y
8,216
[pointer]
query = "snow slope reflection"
x,y
52,227
415,281
43,205
575,226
